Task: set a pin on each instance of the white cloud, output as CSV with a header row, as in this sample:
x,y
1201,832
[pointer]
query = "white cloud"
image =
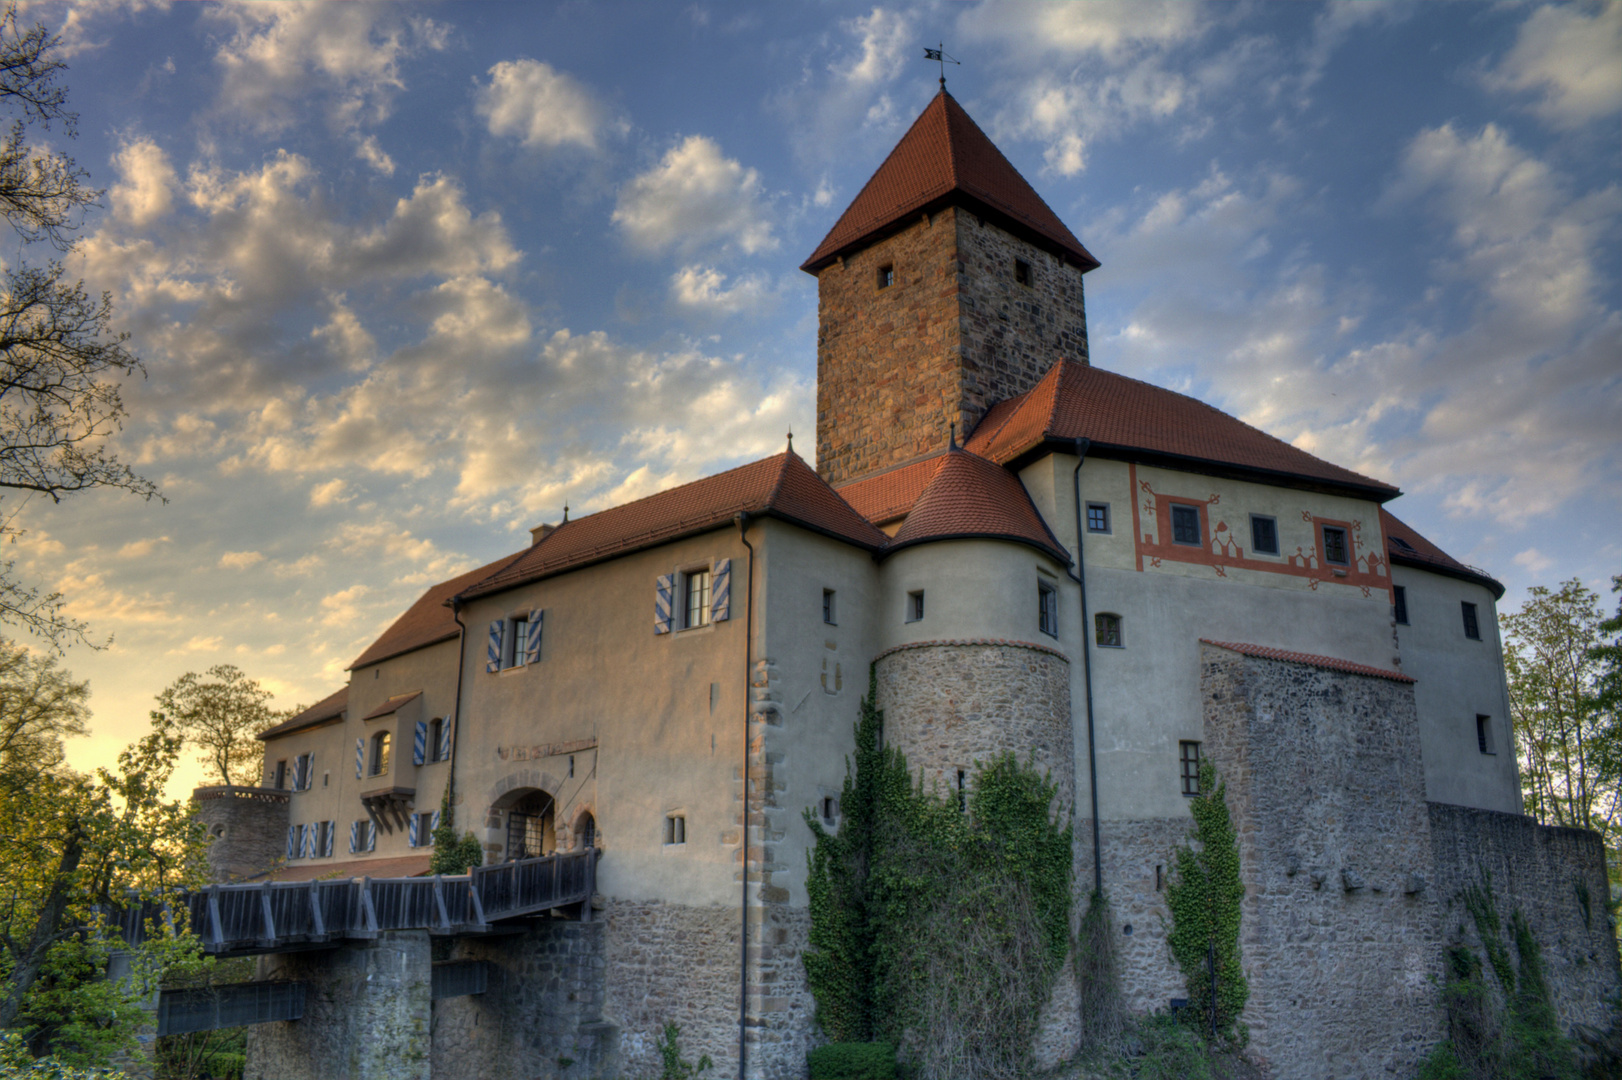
x,y
140,549
694,196
541,107
1571,58
240,560
330,493
1109,29
1534,561
704,289
369,150
146,183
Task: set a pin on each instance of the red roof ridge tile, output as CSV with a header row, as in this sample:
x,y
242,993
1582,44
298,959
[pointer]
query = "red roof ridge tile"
x,y
1267,652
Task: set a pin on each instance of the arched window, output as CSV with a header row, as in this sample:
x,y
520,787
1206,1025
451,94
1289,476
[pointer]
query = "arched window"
x,y
1108,627
380,753
586,830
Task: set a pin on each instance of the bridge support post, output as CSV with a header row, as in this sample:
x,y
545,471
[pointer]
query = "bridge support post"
x,y
367,1013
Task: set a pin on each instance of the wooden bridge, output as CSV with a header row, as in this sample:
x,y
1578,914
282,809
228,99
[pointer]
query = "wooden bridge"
x,y
266,917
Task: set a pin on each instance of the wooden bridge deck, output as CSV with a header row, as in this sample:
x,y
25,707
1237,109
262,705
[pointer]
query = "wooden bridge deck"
x,y
276,916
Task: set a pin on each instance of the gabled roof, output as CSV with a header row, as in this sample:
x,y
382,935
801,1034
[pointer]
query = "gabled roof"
x,y
1266,652
393,705
970,497
782,486
1127,418
324,711
428,621
885,496
1407,547
944,158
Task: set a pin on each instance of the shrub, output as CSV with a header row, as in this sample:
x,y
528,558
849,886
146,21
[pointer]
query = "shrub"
x,y
853,1061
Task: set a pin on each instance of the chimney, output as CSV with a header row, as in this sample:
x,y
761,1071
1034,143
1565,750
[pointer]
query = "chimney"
x,y
539,533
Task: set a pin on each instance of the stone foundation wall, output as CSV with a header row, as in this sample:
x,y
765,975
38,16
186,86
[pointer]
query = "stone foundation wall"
x,y
1326,788
1132,849
247,829
1545,872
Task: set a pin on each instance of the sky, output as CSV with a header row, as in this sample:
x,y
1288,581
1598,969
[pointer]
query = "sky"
x,y
407,278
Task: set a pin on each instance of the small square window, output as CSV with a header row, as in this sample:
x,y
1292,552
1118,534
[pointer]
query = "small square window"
x,y
1107,630
675,829
915,606
1185,525
1263,535
829,612
1188,754
1335,550
1472,628
1399,604
1047,608
1484,734
1098,517
1022,272
696,607
886,276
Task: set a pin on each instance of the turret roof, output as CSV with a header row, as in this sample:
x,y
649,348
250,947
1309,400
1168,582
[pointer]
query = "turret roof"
x,y
970,497
944,158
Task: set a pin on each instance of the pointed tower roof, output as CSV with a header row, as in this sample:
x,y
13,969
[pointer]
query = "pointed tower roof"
x,y
945,159
971,497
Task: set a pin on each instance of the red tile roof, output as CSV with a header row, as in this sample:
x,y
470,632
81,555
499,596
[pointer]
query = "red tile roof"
x,y
1123,415
782,486
402,866
393,704
328,708
1407,547
1264,652
969,496
888,495
428,621
945,158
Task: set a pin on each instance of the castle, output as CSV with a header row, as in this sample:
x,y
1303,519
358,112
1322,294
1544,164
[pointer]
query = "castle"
x,y
1030,553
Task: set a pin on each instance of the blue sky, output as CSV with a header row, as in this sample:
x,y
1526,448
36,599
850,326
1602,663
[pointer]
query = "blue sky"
x,y
408,277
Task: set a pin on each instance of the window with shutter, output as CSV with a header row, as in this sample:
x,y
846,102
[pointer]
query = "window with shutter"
x,y
354,836
663,586
331,832
411,830
371,836
433,827
445,739
292,840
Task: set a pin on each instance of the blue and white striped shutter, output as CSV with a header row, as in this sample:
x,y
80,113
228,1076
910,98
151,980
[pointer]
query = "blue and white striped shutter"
x,y
309,772
532,649
292,840
371,836
721,590
354,837
419,743
298,773
492,652
304,845
662,589
332,834
445,739
433,827
412,830
360,757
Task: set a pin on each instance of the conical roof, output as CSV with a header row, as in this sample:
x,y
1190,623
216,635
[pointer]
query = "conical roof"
x,y
971,497
944,159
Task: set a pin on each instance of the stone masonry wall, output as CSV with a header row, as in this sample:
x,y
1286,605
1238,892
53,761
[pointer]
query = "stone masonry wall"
x,y
1326,788
366,1013
1545,872
1132,850
247,829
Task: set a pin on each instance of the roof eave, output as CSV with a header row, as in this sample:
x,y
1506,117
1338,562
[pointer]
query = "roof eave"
x,y
1491,584
364,661
309,725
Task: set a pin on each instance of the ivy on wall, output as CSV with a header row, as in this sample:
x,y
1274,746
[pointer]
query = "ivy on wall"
x,y
934,926
1204,896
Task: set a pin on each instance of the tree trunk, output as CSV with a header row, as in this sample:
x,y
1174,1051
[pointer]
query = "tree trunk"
x,y
46,931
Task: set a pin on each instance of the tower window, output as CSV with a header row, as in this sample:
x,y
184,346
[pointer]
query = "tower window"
x,y
828,611
886,276
1472,628
1399,604
1263,535
1484,734
1022,272
1107,630
675,829
1188,754
1098,517
915,606
1185,524
1047,608
1335,552
696,608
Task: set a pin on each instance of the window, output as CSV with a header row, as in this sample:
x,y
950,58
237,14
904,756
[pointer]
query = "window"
x,y
1185,525
362,835
962,792
915,606
571,766
1399,604
1484,734
303,772
519,643
424,831
830,809
321,845
695,609
828,610
1107,630
675,829
1335,546
1402,545
1263,535
380,753
281,775
1188,754
1160,877
1098,517
586,830
1022,272
886,276
325,777
1472,628
1047,608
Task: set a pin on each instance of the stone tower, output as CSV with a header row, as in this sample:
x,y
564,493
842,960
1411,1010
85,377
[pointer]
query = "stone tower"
x,y
947,285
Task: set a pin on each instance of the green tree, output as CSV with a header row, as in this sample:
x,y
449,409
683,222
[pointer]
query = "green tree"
x,y
40,705
1204,895
220,712
453,854
60,364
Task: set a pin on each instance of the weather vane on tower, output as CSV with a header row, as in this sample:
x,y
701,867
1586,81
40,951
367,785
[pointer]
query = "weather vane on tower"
x,y
939,55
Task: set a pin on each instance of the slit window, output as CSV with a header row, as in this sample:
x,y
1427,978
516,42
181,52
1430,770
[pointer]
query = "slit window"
x,y
1335,549
436,730
1399,604
886,276
519,639
915,606
1185,524
830,809
1472,627
1188,754
962,791
1107,630
1484,734
696,607
1263,535
829,612
1022,272
1047,608
1098,517
675,829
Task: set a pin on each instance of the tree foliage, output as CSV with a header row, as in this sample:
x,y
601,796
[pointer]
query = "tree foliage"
x,y
1204,895
220,712
453,854
60,362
